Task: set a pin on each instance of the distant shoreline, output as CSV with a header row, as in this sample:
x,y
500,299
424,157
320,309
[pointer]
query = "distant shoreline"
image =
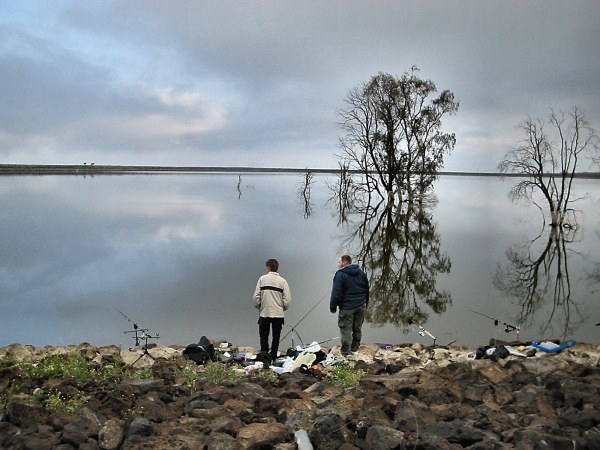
x,y
98,169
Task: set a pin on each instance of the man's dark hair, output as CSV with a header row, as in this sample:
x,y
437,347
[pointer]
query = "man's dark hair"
x,y
346,258
272,265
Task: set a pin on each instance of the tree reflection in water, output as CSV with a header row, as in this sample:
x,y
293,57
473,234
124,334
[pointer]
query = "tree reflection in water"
x,y
537,276
399,248
593,275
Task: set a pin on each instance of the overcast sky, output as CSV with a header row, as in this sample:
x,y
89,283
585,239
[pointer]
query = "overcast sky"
x,y
259,83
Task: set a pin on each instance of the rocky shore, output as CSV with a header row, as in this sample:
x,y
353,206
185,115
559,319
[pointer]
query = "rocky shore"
x,y
408,397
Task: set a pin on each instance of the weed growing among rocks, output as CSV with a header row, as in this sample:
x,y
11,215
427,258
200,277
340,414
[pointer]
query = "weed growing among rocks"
x,y
217,372
343,375
190,374
60,402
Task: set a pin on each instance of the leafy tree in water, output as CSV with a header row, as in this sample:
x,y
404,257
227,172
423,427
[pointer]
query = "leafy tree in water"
x,y
391,152
550,162
394,136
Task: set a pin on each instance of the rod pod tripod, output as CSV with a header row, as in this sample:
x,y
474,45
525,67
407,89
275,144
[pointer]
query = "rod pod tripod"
x,y
140,333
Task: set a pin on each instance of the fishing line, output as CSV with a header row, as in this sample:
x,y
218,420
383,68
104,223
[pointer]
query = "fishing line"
x,y
293,329
507,326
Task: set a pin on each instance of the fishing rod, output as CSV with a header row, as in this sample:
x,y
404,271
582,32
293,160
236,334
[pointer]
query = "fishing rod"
x,y
314,344
327,340
507,326
422,331
293,329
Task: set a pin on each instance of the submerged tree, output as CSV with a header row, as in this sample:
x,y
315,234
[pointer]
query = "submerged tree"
x,y
304,192
550,164
391,153
394,134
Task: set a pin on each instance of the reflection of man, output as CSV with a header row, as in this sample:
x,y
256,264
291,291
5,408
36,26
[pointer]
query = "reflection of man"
x,y
272,297
350,293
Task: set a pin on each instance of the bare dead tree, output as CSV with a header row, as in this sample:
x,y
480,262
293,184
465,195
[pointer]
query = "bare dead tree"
x,y
549,164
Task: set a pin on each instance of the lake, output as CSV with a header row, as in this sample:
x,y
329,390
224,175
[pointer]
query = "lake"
x,y
84,259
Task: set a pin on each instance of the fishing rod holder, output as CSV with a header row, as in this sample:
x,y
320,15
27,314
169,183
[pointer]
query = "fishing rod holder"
x,y
140,333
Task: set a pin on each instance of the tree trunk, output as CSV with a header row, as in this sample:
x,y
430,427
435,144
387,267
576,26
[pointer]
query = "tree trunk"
x,y
557,218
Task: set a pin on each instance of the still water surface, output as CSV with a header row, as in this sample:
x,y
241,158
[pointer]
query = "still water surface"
x,y
180,255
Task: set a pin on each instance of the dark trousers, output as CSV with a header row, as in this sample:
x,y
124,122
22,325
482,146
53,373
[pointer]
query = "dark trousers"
x,y
350,322
264,326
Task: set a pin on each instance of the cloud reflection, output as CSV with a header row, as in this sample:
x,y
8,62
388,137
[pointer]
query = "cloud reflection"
x,y
181,254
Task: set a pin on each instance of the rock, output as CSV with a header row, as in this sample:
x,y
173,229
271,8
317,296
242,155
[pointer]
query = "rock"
x,y
412,396
328,430
220,441
454,432
263,435
37,441
18,352
383,438
110,435
538,439
227,425
138,434
140,427
79,430
25,415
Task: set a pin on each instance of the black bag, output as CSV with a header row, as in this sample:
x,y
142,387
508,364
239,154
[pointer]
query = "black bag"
x,y
200,353
493,353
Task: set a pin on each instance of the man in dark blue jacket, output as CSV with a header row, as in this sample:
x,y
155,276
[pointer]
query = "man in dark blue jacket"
x,y
350,293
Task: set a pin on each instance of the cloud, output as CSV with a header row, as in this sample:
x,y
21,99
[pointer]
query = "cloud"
x,y
199,82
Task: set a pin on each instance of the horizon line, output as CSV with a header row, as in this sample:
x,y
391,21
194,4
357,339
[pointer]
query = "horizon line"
x,y
103,169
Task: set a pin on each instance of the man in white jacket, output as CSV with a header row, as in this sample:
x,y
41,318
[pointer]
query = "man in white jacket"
x,y
272,297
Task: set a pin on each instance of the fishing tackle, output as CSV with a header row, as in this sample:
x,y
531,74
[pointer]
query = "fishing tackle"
x,y
422,331
293,329
140,333
507,326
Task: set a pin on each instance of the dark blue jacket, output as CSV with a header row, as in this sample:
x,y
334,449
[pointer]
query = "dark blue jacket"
x,y
350,288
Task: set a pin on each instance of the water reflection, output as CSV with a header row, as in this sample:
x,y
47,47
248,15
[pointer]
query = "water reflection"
x,y
400,249
180,254
304,192
593,274
536,275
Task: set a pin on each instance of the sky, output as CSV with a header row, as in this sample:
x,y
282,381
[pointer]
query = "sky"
x,y
260,83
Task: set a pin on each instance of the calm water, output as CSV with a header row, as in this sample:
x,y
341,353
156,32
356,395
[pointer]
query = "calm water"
x,y
180,255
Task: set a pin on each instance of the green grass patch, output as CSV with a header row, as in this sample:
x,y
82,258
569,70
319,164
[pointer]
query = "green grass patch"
x,y
190,374
217,372
344,375
58,402
70,366
74,366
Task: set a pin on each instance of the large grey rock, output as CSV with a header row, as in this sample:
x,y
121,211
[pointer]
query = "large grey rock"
x,y
384,438
110,435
